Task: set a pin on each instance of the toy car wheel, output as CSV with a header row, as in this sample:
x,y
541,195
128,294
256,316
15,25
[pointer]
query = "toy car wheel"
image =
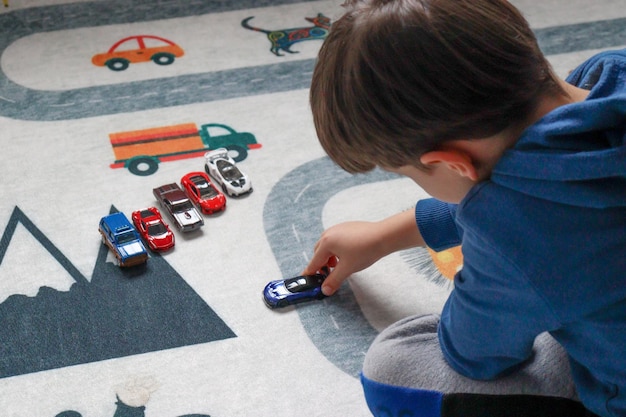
x,y
238,153
163,58
225,190
117,64
282,303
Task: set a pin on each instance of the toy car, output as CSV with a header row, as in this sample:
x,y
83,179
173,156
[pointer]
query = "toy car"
x,y
203,193
122,239
173,199
221,167
154,231
285,292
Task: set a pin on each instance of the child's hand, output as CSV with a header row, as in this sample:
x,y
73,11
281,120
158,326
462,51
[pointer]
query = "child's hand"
x,y
353,246
346,248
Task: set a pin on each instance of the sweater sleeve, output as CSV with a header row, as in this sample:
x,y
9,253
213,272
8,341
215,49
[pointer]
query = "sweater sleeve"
x,y
493,315
435,220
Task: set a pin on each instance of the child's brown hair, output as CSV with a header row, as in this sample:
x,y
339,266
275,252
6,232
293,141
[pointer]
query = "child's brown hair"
x,y
396,78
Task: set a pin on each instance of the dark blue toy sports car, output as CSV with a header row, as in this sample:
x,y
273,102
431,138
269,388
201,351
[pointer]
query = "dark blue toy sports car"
x,y
284,292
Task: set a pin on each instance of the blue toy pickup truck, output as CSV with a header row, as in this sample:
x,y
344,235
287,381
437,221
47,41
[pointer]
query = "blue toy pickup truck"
x,y
122,238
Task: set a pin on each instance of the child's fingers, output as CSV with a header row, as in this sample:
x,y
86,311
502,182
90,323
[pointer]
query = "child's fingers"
x,y
331,284
325,259
319,260
334,280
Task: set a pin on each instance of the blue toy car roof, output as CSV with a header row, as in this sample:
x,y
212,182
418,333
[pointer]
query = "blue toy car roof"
x,y
117,221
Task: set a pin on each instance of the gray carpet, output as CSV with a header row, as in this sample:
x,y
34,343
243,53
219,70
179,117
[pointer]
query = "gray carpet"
x,y
188,334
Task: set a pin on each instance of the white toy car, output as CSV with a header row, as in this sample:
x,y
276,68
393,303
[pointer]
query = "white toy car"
x,y
220,166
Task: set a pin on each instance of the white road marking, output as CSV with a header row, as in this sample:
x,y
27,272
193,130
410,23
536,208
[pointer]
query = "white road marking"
x,y
300,193
295,232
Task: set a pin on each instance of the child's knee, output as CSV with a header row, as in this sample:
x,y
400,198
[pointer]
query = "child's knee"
x,y
404,350
407,354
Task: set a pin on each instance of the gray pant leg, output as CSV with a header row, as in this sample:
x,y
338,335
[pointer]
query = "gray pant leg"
x,y
407,354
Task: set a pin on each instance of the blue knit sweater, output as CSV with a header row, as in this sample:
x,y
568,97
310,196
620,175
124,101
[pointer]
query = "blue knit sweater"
x,y
544,245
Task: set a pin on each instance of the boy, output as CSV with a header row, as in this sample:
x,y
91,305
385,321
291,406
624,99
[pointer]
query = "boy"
x,y
529,175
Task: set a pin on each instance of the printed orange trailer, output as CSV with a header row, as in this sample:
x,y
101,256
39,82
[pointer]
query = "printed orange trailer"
x,y
141,150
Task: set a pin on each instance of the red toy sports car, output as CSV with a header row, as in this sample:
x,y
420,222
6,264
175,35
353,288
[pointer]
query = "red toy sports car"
x,y
203,193
155,232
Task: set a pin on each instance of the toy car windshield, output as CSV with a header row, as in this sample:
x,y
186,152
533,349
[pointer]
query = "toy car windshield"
x,y
228,170
156,229
182,206
126,237
206,191
302,283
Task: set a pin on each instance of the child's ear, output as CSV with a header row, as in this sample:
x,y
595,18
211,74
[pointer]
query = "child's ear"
x,y
455,160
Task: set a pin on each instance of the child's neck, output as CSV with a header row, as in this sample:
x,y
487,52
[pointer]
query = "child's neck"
x,y
550,102
509,137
